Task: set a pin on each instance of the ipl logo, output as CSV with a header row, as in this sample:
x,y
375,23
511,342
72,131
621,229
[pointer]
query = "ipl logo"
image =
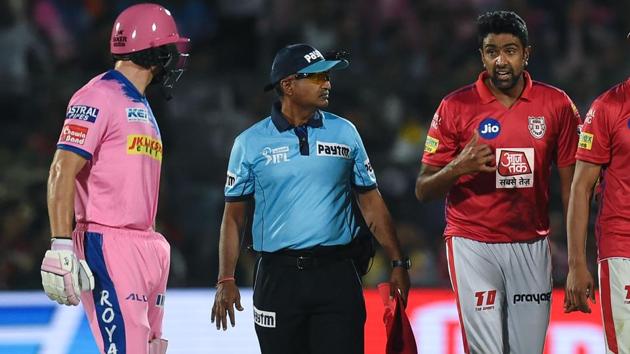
x,y
276,155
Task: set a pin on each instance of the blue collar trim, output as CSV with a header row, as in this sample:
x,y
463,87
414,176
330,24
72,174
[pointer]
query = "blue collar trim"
x,y
282,124
128,88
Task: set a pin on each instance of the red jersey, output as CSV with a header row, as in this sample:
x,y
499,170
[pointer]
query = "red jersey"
x,y
605,140
510,204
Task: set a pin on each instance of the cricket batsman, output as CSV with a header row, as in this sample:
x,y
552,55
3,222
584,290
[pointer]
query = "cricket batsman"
x,y
105,176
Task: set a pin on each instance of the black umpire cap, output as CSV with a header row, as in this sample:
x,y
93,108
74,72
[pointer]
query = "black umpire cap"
x,y
300,59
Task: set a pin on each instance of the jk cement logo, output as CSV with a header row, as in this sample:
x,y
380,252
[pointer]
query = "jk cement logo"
x,y
144,145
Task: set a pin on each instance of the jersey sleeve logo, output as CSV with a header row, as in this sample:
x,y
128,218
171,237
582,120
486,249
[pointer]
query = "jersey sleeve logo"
x,y
515,168
589,116
369,169
537,126
431,145
436,121
144,145
81,112
231,180
74,134
586,141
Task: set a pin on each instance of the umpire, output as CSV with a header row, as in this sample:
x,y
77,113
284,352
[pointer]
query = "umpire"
x,y
301,166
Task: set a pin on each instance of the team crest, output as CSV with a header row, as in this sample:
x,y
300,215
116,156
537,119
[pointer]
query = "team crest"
x,y
537,126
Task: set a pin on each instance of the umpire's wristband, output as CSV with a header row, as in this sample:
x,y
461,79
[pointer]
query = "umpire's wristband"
x,y
225,279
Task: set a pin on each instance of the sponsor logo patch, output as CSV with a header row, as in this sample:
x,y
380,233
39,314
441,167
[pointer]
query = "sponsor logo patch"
x,y
81,112
489,128
589,116
515,168
137,115
436,121
537,126
586,141
159,301
137,297
264,318
537,298
75,134
431,145
230,180
369,169
333,149
144,145
276,155
485,300
574,109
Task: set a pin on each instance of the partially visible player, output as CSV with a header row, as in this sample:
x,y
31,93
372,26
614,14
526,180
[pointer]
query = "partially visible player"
x,y
603,153
489,151
105,176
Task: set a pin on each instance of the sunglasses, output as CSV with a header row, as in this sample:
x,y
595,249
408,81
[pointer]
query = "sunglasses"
x,y
314,77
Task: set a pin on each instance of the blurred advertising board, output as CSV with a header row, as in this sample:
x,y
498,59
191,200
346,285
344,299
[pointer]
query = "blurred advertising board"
x,y
32,324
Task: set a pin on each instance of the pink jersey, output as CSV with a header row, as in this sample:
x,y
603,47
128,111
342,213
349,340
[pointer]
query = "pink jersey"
x,y
511,204
605,140
109,122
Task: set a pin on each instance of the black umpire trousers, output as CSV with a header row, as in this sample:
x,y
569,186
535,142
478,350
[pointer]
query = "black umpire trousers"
x,y
308,306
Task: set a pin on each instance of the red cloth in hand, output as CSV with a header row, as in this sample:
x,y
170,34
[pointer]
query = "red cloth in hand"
x,y
400,339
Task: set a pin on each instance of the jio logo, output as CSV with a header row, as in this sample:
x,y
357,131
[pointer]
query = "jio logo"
x,y
489,128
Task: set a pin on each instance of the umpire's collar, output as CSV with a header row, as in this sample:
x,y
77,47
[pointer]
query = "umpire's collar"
x,y
282,124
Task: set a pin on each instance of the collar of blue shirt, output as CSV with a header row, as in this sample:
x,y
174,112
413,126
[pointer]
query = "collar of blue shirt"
x,y
282,124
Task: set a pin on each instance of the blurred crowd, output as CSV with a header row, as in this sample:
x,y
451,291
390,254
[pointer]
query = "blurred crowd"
x,y
405,56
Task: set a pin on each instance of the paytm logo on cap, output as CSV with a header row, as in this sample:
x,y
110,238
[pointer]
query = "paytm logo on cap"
x,y
313,55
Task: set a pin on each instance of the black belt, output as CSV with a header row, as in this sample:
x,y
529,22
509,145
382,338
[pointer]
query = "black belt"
x,y
301,262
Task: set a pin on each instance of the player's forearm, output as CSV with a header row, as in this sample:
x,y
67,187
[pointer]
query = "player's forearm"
x,y
60,200
229,247
437,185
577,225
380,222
566,179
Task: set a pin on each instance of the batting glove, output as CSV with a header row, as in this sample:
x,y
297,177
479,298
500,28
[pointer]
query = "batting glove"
x,y
63,275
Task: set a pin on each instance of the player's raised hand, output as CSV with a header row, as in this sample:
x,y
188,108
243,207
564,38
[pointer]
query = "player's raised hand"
x,y
579,288
64,277
226,299
474,157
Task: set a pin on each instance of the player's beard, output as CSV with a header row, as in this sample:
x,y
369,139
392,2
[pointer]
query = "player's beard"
x,y
505,84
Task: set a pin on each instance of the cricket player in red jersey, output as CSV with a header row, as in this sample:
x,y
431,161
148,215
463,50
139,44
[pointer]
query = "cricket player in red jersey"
x,y
489,150
603,153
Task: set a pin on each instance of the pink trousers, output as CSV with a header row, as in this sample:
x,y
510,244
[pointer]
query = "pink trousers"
x,y
130,268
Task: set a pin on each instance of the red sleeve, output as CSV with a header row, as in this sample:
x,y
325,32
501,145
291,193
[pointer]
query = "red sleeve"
x,y
569,120
441,145
594,145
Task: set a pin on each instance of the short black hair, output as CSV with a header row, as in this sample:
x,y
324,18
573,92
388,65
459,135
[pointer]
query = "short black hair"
x,y
501,22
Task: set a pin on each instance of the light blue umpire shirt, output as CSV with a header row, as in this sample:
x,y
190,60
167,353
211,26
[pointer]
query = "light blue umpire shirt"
x,y
301,179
